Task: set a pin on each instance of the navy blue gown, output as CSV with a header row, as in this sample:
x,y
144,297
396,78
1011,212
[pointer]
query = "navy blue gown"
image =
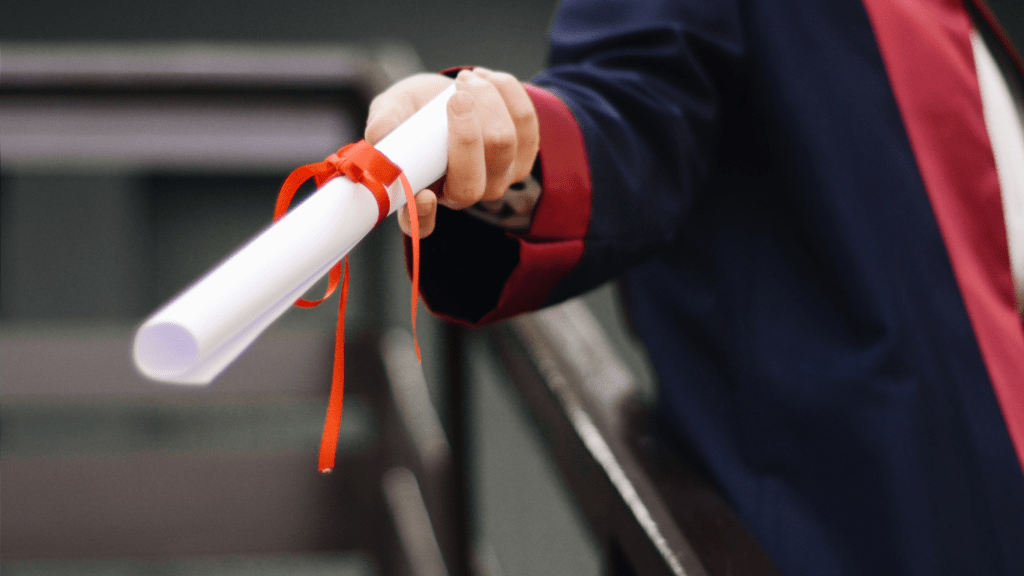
x,y
798,199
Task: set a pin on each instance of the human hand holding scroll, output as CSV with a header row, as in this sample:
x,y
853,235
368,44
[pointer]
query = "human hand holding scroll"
x,y
198,334
492,132
493,128
195,336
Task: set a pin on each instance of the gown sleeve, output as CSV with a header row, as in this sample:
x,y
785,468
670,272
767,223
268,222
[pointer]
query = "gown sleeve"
x,y
628,111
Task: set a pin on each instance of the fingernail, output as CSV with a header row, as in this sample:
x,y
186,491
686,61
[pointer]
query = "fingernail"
x,y
461,103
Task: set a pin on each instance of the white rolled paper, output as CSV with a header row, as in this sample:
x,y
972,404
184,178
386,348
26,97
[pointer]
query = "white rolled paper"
x,y
195,336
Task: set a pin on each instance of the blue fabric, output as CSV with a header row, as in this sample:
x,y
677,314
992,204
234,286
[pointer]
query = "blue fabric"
x,y
755,191
754,184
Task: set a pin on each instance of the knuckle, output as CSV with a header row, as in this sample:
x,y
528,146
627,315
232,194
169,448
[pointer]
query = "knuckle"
x,y
504,79
530,143
500,141
466,139
456,203
521,115
495,192
459,197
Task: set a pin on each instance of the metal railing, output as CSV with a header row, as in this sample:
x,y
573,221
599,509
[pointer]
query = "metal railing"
x,y
648,509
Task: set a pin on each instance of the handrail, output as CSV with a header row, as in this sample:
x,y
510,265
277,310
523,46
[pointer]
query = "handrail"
x,y
639,498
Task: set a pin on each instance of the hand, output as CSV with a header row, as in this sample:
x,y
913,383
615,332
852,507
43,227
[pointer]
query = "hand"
x,y
493,136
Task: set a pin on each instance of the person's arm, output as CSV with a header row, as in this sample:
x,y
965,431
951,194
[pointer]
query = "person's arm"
x,y
627,115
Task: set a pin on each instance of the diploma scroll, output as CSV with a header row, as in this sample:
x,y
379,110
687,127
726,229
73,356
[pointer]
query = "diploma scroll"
x,y
192,338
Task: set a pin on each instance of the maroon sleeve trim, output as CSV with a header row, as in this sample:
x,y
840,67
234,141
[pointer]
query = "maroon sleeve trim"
x,y
541,266
563,211
554,244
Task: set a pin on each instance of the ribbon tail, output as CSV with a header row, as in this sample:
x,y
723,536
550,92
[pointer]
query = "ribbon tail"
x,y
332,424
332,283
363,164
414,228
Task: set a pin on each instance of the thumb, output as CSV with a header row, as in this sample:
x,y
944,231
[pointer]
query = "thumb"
x,y
426,210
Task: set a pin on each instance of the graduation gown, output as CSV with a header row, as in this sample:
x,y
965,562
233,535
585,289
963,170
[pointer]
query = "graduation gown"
x,y
800,201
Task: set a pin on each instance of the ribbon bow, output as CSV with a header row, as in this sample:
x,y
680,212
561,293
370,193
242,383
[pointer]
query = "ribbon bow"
x,y
363,164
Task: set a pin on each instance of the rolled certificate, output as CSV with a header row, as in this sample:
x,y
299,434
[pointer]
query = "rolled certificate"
x,y
192,338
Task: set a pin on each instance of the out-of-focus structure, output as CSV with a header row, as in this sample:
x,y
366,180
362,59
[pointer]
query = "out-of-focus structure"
x,y
129,169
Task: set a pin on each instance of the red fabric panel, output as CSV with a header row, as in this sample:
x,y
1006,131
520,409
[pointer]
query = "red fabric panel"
x,y
563,212
554,244
926,47
541,266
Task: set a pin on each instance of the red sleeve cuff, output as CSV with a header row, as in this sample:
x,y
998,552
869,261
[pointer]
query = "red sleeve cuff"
x,y
563,212
542,257
554,244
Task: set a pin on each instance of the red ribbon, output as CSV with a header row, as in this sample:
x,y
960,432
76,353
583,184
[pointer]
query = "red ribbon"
x,y
363,164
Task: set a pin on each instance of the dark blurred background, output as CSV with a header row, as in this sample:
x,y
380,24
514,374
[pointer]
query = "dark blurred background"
x,y
106,474
88,251
505,34
502,34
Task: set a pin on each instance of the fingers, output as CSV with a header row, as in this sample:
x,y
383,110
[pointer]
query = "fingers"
x,y
493,134
426,210
509,136
524,120
467,167
399,102
497,135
